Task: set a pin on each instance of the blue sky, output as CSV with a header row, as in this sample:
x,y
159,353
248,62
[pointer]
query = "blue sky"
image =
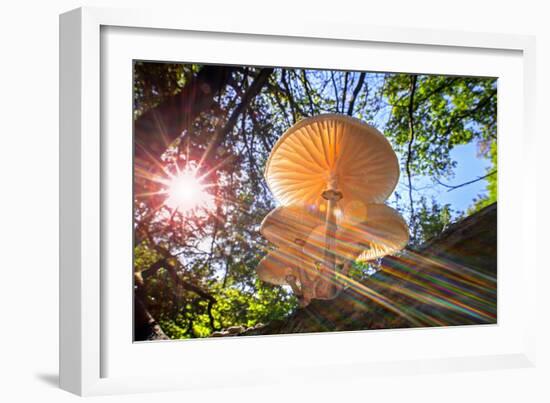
x,y
469,167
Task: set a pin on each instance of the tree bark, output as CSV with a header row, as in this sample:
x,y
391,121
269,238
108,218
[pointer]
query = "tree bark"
x,y
145,326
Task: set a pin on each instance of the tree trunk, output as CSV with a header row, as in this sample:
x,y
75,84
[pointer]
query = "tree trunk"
x,y
145,326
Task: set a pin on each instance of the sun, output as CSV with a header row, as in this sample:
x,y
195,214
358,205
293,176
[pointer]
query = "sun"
x,y
186,192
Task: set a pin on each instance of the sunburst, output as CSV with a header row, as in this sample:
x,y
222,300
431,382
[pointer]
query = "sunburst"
x,y
186,192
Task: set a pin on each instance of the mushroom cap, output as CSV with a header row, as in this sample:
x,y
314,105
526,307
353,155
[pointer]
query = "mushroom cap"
x,y
380,231
317,150
289,226
280,263
383,229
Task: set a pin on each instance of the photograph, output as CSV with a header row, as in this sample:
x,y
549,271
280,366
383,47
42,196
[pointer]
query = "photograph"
x,y
273,200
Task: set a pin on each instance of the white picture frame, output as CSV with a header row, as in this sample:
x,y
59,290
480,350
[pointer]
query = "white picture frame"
x,y
86,304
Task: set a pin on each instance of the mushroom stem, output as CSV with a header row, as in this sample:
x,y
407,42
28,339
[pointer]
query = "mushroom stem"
x,y
332,196
291,281
330,235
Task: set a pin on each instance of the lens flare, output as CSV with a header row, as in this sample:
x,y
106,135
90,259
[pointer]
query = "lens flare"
x,y
186,193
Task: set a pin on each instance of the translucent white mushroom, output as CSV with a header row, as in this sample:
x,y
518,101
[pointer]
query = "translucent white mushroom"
x,y
331,152
334,165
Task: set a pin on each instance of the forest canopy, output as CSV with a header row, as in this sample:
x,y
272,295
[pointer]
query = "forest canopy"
x,y
194,264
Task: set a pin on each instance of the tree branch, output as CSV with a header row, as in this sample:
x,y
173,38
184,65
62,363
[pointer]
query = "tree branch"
x,y
335,91
469,112
410,145
356,92
345,90
307,87
453,187
157,128
250,93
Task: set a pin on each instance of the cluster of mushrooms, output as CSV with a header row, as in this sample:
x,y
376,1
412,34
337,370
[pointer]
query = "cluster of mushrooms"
x,y
331,175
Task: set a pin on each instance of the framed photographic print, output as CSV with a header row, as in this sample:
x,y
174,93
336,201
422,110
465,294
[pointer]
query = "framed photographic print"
x,y
322,201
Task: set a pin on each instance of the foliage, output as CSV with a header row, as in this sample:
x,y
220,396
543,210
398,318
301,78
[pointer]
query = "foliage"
x,y
431,219
196,272
492,190
183,315
429,116
446,112
154,82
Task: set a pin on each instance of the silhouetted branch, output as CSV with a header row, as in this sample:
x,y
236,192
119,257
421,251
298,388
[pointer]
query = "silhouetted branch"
x,y
345,90
307,87
453,187
335,91
155,129
410,145
356,92
251,92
